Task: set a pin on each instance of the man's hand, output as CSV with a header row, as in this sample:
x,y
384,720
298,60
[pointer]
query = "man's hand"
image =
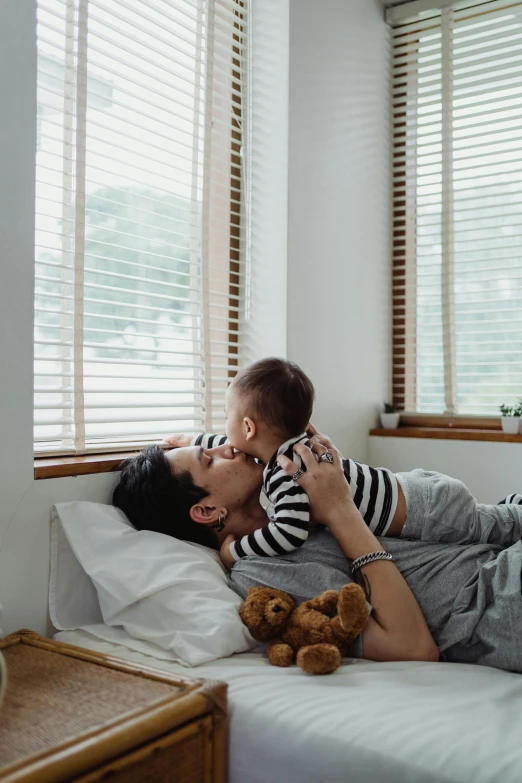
x,y
178,441
224,553
324,482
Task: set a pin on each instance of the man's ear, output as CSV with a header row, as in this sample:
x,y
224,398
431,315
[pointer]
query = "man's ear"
x,y
249,428
205,515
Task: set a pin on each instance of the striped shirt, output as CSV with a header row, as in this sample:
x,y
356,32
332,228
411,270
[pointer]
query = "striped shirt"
x,y
514,499
374,490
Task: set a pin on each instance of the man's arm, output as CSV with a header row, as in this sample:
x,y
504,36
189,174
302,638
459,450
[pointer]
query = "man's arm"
x,y
397,630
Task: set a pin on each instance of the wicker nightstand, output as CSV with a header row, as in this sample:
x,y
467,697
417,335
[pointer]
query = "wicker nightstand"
x,y
75,715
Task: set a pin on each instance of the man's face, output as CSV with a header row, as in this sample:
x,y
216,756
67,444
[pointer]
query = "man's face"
x,y
230,477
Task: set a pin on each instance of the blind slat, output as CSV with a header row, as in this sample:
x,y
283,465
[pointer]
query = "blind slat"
x,y
140,198
102,156
143,390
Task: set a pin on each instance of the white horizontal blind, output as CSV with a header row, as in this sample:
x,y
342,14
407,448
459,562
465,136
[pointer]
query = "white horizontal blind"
x,y
457,242
139,263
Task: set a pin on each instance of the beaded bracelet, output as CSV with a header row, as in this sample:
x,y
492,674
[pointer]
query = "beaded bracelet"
x,y
368,558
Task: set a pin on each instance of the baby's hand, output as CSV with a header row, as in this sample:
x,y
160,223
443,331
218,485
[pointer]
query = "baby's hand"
x,y
225,554
178,441
316,437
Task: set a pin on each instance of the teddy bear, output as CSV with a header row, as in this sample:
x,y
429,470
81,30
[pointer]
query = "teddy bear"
x,y
316,634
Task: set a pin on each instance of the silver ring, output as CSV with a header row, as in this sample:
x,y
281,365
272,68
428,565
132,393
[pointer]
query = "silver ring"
x,y
326,457
297,475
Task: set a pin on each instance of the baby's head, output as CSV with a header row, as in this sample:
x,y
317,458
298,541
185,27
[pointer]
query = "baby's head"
x,y
270,400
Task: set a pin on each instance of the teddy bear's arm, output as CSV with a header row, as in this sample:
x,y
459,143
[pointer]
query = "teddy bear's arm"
x,y
353,610
325,603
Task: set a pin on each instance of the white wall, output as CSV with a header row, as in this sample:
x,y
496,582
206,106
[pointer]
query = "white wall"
x,y
490,470
25,546
25,503
264,330
339,190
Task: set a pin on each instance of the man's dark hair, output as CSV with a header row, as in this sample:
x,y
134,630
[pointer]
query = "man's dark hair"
x,y
153,498
278,393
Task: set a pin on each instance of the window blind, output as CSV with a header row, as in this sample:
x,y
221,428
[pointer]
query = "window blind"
x,y
140,208
457,206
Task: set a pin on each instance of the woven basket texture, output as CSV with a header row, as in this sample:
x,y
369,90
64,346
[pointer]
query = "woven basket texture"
x,y
83,696
184,761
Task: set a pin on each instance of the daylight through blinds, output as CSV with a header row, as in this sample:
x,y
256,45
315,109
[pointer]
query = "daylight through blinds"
x,y
457,237
139,209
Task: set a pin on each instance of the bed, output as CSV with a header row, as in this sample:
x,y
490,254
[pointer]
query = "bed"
x,y
377,722
393,722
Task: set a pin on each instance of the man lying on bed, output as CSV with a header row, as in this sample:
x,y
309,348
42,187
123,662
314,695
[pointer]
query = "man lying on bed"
x,y
450,588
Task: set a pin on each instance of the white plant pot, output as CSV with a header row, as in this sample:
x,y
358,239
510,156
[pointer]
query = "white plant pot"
x,y
390,420
510,424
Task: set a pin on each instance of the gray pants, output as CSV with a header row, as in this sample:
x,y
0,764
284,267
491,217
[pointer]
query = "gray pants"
x,y
486,617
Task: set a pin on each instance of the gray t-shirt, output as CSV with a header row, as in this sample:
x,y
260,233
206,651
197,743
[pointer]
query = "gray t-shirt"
x,y
435,573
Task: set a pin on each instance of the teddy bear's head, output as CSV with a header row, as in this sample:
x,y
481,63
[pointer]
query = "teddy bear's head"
x,y
265,612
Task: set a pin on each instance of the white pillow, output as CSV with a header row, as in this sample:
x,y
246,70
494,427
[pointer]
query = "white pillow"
x,y
162,591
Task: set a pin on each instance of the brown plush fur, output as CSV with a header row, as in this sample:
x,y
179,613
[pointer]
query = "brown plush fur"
x,y
316,634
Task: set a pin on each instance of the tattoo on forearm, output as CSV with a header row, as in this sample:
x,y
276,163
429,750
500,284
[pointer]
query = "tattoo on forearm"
x,y
363,581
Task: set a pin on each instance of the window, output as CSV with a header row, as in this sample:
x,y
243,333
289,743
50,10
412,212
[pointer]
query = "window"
x,y
457,201
140,283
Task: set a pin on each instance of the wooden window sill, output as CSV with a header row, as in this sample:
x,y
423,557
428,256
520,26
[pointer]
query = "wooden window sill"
x,y
59,467
447,433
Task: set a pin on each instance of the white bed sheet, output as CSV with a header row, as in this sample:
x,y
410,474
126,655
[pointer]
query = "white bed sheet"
x,y
371,722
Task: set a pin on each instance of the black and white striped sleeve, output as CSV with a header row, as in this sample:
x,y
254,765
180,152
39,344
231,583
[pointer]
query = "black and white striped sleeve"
x,y
209,441
514,499
289,526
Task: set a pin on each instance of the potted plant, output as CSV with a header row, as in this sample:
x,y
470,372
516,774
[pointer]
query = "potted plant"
x,y
390,416
511,417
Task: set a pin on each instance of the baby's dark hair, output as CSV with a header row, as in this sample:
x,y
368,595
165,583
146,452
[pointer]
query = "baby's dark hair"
x,y
278,393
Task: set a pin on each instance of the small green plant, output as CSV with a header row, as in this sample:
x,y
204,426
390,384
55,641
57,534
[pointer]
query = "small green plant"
x,y
390,407
511,410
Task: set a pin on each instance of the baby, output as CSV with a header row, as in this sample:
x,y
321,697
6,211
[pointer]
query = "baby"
x,y
268,409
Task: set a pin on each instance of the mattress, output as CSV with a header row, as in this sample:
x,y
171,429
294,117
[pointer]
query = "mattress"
x,y
402,722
